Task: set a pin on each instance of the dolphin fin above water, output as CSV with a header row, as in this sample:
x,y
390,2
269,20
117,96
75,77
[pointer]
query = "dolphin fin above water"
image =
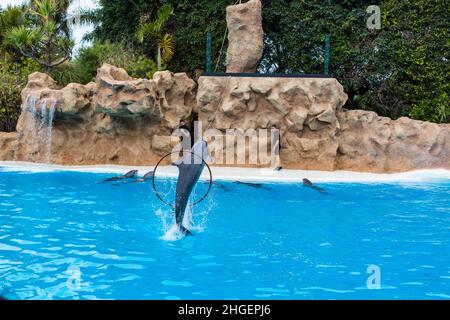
x,y
190,168
309,184
128,175
252,184
146,177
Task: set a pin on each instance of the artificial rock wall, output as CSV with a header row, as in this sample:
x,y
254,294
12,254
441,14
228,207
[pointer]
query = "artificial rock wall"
x,y
316,132
114,120
121,120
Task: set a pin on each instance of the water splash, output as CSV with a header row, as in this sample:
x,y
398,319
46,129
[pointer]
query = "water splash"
x,y
195,217
171,230
172,234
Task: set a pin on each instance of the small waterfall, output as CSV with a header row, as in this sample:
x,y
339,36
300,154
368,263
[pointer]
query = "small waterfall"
x,y
45,130
51,115
37,130
29,128
42,133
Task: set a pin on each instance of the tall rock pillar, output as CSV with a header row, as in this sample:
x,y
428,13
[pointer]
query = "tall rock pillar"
x,y
245,37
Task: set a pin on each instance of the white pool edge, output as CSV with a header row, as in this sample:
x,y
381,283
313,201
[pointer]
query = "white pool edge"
x,y
246,174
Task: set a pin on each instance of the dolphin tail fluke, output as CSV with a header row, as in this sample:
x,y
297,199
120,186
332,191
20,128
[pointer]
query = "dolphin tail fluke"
x,y
185,231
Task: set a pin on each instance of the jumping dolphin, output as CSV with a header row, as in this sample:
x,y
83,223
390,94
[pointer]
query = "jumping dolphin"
x,y
308,183
190,168
129,174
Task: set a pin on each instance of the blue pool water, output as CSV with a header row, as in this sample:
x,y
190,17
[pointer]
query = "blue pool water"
x,y
63,235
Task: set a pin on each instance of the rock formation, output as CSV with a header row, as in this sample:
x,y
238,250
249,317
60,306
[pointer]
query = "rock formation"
x,y
117,119
368,142
121,120
316,132
245,37
8,141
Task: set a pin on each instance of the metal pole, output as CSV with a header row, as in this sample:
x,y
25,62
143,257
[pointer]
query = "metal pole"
x,y
208,65
327,54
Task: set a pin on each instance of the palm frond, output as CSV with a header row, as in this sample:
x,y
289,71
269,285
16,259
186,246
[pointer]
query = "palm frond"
x,y
166,45
11,17
18,37
164,13
154,28
44,9
162,17
140,32
143,30
88,17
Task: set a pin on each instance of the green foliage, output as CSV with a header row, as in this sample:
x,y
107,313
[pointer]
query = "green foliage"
x,y
13,78
118,54
416,53
118,19
436,110
142,67
400,70
155,30
191,22
66,73
295,42
11,17
44,36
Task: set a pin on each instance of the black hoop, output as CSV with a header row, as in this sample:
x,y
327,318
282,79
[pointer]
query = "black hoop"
x,y
162,199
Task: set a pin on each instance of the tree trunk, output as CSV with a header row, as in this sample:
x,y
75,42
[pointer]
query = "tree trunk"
x,y
159,58
48,54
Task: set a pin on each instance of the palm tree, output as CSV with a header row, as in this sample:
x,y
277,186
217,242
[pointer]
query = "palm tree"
x,y
45,35
10,18
155,30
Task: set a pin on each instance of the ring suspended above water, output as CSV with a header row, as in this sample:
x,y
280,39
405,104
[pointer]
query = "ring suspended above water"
x,y
170,204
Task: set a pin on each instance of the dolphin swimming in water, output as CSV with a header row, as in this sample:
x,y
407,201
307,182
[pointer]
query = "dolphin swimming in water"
x,y
147,176
129,174
252,184
308,183
190,168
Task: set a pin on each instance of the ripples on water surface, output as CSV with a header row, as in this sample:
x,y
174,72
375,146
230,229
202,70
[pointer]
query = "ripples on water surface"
x,y
63,235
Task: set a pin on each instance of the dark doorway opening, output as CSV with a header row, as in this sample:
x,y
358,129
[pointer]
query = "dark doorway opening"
x,y
191,124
